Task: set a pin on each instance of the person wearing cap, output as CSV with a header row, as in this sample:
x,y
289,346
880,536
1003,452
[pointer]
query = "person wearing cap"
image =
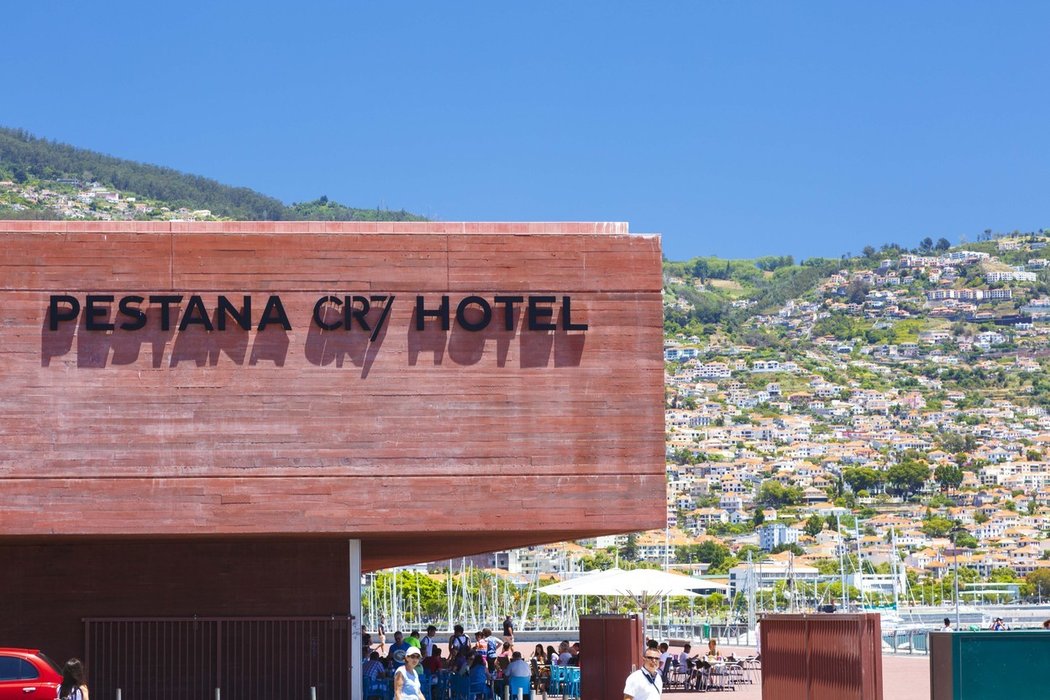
x,y
645,683
406,680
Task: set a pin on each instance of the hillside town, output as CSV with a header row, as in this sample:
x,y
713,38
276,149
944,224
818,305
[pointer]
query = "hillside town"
x,y
895,415
75,199
889,426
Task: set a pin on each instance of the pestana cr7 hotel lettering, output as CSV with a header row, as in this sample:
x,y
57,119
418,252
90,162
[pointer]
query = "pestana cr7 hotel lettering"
x,y
105,312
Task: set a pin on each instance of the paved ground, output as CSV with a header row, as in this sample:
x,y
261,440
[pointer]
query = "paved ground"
x,y
903,678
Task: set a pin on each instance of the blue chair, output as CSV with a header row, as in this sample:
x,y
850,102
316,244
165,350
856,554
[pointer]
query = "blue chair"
x,y
440,688
572,682
382,688
480,690
424,682
518,683
557,677
459,687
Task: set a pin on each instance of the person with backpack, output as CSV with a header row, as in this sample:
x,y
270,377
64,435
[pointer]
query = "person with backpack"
x,y
457,641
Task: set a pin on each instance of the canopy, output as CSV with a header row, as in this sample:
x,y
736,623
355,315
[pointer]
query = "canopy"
x,y
644,585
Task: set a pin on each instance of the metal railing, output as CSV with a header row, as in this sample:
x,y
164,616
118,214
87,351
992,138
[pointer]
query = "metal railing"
x,y
906,642
274,658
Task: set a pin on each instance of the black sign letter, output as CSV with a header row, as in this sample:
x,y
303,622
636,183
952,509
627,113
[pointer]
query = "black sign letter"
x,y
538,312
276,309
133,312
508,309
461,316
165,301
422,314
57,315
91,312
566,316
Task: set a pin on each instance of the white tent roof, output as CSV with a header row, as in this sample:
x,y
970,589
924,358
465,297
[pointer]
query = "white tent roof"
x,y
636,583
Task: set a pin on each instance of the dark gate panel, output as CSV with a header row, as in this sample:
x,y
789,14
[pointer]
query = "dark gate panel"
x,y
822,657
278,658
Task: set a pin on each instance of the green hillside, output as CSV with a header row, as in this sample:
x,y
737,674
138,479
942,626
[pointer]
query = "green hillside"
x,y
24,157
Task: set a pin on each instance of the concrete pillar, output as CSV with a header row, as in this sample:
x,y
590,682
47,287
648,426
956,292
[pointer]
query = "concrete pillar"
x,y
356,618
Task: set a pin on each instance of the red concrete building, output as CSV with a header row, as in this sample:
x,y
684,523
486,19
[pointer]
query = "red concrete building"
x,y
235,419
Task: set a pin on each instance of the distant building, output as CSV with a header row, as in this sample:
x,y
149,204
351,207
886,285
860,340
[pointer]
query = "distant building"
x,y
763,575
772,536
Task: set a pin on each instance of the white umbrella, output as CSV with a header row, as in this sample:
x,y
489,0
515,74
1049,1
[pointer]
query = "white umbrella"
x,y
566,587
645,586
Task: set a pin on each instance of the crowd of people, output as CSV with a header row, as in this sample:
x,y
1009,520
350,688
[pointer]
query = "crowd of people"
x,y
692,670
482,657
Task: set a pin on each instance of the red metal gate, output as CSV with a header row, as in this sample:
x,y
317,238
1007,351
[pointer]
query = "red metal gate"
x,y
822,657
273,658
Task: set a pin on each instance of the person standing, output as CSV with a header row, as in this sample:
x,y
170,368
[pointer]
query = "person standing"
x,y
457,641
428,642
406,680
947,625
73,686
645,683
508,630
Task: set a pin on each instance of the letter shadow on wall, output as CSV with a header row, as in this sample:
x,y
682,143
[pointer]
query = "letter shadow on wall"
x,y
203,348
468,347
537,347
324,348
97,349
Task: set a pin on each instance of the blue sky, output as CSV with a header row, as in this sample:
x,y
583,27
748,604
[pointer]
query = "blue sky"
x,y
736,129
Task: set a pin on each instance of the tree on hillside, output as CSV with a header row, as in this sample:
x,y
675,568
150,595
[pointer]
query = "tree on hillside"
x,y
814,525
863,479
907,477
857,290
1037,584
937,526
629,551
773,493
711,552
948,476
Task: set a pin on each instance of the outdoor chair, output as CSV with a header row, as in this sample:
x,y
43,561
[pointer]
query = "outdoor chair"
x,y
557,679
718,677
571,687
676,677
459,687
479,691
378,688
518,683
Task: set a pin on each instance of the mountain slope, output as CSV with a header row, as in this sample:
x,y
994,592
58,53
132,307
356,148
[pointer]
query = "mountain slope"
x,y
24,156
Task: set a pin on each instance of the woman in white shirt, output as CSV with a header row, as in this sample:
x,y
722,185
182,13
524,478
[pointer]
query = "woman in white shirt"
x,y
406,680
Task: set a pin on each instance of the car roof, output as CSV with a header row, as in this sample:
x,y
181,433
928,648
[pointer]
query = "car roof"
x,y
19,650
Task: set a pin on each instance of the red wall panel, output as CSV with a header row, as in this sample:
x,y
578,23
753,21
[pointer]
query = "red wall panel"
x,y
308,432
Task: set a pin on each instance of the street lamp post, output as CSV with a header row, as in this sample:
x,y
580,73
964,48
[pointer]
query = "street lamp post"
x,y
955,566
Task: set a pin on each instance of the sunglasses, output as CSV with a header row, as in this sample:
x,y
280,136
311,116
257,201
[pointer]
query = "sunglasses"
x,y
651,658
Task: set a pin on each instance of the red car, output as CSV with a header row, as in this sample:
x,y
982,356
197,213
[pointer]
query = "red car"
x,y
28,674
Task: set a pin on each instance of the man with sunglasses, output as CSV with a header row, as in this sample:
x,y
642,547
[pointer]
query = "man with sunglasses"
x,y
645,683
